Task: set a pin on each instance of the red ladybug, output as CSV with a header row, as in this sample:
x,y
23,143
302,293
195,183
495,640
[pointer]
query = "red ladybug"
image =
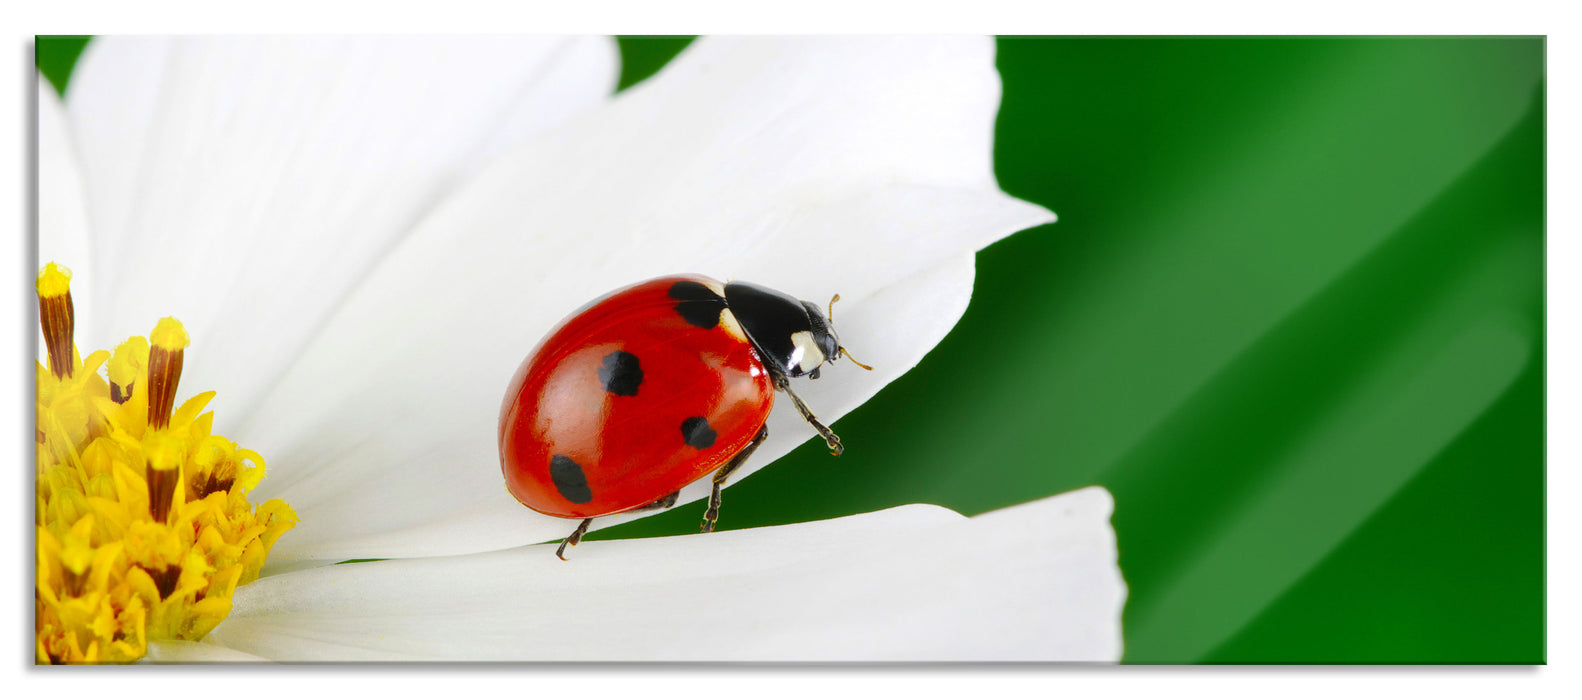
x,y
649,388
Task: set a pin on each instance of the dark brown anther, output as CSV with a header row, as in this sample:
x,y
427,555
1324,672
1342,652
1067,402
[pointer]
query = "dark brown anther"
x,y
165,579
73,583
57,317
162,491
164,374
220,479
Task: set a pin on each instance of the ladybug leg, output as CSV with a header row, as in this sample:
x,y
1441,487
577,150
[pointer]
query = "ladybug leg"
x,y
830,438
713,513
576,536
660,504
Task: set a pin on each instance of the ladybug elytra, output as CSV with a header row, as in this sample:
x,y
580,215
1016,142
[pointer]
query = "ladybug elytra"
x,y
650,388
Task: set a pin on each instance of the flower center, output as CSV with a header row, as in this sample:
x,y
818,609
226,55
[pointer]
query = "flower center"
x,y
143,524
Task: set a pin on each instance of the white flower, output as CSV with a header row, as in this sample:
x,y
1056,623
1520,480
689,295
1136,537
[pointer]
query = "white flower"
x,y
364,236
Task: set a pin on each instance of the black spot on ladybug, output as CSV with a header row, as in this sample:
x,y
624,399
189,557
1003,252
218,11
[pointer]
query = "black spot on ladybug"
x,y
569,479
699,305
621,373
695,431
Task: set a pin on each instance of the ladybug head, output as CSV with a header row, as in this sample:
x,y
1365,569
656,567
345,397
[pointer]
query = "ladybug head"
x,y
793,337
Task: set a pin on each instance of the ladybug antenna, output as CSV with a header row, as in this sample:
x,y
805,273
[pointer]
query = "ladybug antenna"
x,y
842,351
854,361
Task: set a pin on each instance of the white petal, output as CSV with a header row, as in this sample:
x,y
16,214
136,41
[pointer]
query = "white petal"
x,y
916,583
772,160
62,223
179,652
244,184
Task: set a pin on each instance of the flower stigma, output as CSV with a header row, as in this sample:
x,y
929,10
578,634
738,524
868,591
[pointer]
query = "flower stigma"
x,y
144,529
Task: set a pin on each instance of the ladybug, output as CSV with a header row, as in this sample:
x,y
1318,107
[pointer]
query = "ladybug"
x,y
651,387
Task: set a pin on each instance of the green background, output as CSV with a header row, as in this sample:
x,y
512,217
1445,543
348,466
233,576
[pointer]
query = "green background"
x,y
1292,316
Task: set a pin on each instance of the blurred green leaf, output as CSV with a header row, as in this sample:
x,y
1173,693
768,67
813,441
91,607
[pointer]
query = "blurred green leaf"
x,y
55,56
643,56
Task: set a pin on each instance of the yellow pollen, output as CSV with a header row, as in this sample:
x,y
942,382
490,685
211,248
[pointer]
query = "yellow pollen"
x,y
169,334
128,362
143,524
53,281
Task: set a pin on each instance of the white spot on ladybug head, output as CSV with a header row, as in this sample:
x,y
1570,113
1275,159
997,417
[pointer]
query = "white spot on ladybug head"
x,y
805,353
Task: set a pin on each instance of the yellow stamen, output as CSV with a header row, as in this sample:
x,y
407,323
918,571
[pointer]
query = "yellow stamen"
x,y
165,454
56,315
144,528
76,557
129,360
164,369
